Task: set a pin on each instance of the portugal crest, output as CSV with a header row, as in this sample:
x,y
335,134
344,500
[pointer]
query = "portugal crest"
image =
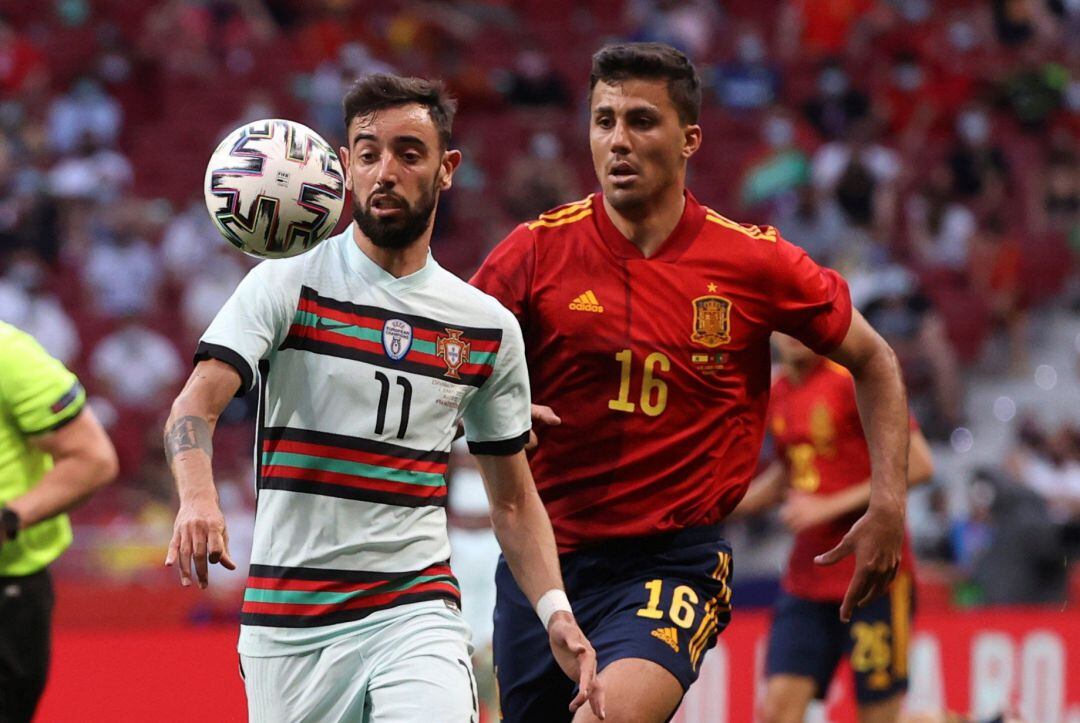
x,y
453,350
711,321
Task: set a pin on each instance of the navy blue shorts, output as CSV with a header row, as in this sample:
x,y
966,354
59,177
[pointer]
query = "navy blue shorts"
x,y
664,598
808,639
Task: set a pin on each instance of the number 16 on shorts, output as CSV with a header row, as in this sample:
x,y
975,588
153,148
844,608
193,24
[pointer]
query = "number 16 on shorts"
x,y
694,616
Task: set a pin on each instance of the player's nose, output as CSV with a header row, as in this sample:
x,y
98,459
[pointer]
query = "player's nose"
x,y
620,138
387,171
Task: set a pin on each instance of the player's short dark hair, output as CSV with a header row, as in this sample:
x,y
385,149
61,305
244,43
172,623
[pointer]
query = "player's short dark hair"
x,y
379,91
653,61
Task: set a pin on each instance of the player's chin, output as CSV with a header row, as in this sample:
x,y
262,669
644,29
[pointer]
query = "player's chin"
x,y
622,196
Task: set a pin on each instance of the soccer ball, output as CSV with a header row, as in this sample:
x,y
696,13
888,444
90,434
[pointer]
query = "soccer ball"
x,y
274,188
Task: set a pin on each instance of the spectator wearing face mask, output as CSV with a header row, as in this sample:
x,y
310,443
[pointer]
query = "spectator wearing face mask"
x,y
540,179
836,106
748,82
980,171
780,166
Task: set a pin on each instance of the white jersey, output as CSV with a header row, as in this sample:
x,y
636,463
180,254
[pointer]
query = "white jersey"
x,y
364,378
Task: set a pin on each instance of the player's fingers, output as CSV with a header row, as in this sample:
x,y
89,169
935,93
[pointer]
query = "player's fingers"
x,y
215,546
533,441
596,700
845,548
227,561
855,592
183,560
199,552
174,549
587,672
545,415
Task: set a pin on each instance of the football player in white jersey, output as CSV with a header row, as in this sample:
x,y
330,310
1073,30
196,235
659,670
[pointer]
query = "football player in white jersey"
x,y
367,355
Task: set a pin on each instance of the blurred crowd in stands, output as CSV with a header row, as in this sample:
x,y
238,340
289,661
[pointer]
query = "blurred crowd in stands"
x,y
928,150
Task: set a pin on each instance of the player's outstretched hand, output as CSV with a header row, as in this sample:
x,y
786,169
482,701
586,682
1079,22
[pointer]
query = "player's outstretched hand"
x,y
575,655
199,537
876,538
541,417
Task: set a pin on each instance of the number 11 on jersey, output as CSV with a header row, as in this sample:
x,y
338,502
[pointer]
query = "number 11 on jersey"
x,y
653,389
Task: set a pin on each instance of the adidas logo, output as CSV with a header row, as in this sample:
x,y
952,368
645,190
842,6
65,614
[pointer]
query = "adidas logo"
x,y
669,636
587,302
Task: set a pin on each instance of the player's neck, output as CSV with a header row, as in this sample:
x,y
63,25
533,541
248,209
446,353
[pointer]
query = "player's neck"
x,y
648,226
396,262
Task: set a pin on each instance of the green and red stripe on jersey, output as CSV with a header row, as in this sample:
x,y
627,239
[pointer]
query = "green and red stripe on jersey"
x,y
301,597
352,331
320,463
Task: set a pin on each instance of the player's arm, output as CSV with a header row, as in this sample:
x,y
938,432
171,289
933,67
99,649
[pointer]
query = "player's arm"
x,y
805,510
199,535
877,538
524,532
84,460
765,491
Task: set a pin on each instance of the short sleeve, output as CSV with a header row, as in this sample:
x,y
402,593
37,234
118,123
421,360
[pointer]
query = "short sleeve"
x,y
507,272
38,391
497,418
810,302
253,321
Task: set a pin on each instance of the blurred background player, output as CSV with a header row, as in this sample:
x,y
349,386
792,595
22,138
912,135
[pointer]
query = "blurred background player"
x,y
646,319
53,456
369,355
822,475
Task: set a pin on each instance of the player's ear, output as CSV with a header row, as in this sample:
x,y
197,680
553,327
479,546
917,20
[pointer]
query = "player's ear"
x,y
691,140
343,156
450,161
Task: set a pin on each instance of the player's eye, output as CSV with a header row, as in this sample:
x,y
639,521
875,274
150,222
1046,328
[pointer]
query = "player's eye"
x,y
605,121
411,157
368,157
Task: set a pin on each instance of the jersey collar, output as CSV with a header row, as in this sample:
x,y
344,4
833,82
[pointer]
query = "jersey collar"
x,y
363,266
684,233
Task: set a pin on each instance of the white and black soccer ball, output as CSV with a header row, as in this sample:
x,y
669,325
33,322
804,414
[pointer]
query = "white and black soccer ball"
x,y
274,188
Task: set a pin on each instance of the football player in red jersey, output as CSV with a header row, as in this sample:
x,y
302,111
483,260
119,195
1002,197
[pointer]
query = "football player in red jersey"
x,y
823,476
646,319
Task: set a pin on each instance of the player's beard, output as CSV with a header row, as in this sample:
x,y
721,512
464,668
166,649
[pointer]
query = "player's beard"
x,y
396,232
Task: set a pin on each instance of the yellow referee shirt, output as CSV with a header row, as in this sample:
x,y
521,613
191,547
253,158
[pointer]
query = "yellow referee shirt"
x,y
37,395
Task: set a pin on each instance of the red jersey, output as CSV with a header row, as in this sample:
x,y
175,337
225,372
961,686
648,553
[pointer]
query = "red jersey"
x,y
659,366
819,437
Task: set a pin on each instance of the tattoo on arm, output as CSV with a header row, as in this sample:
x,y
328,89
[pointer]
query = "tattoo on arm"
x,y
188,433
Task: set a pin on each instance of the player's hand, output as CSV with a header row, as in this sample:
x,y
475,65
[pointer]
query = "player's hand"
x,y
876,538
575,655
199,537
541,416
802,511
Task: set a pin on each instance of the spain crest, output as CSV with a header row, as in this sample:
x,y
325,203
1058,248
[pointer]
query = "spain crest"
x,y
711,321
453,350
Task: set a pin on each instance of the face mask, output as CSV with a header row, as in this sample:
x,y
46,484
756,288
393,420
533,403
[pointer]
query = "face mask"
x,y
779,132
832,82
973,127
751,49
962,36
915,11
908,76
544,146
1072,96
27,276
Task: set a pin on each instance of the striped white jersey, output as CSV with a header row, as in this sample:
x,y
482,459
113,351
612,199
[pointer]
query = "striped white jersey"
x,y
364,378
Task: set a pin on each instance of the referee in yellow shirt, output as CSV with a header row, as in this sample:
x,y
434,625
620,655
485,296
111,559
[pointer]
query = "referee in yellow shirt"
x,y
53,455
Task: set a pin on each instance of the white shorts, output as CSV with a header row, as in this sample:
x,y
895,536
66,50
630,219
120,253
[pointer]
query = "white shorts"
x,y
411,668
